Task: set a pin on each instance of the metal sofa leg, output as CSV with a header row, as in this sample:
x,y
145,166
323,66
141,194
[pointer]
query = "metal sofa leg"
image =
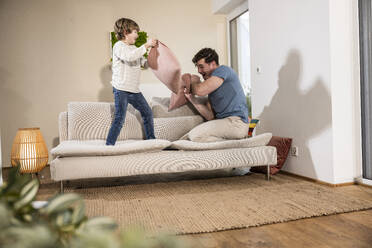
x,y
61,190
268,172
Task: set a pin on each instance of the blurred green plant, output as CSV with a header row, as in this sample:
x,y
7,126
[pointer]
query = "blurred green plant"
x,y
142,39
113,39
61,222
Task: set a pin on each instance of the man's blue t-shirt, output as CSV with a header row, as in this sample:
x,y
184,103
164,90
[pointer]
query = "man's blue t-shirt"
x,y
228,99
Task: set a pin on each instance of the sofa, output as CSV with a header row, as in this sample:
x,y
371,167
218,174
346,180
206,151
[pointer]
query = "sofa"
x,y
82,153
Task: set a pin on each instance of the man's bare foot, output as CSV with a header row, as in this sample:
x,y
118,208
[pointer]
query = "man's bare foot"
x,y
186,78
195,78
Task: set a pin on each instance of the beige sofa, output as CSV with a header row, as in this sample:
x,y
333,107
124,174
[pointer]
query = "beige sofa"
x,y
82,152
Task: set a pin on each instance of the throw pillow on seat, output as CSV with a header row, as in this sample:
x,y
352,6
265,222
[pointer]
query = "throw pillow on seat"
x,y
252,125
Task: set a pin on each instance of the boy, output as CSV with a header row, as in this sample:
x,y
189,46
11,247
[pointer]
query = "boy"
x,y
126,68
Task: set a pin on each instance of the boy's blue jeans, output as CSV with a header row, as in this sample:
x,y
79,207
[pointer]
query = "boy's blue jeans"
x,y
122,98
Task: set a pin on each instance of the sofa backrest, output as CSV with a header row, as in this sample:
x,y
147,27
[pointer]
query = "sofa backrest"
x,y
92,121
160,108
62,126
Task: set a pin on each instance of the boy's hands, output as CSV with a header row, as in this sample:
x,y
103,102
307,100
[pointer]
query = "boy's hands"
x,y
151,43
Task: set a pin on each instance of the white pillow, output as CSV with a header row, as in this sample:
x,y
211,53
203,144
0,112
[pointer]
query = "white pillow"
x,y
259,140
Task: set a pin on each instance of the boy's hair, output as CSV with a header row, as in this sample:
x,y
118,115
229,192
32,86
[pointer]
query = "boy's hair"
x,y
124,26
208,54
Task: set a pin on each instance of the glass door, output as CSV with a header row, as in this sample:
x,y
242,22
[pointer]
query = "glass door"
x,y
240,53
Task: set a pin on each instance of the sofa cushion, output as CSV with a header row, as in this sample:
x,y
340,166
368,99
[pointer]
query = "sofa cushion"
x,y
72,148
92,120
173,128
259,140
160,108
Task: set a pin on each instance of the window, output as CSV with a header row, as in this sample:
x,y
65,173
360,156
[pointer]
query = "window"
x,y
239,52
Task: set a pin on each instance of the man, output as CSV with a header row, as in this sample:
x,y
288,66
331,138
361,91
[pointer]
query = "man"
x,y
226,109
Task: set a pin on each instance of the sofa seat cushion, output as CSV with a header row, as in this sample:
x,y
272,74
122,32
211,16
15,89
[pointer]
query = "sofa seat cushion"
x,y
70,168
73,148
259,140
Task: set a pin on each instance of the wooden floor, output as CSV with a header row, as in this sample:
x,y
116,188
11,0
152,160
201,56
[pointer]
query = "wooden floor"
x,y
352,230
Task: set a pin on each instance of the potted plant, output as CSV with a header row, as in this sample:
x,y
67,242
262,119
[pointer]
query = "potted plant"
x,y
61,222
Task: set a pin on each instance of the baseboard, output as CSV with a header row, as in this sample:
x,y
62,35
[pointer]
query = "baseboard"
x,y
364,182
318,181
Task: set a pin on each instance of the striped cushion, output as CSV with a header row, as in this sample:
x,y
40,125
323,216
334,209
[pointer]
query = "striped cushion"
x,y
252,125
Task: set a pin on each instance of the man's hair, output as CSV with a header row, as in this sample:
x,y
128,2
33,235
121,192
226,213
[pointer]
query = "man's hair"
x,y
208,54
124,26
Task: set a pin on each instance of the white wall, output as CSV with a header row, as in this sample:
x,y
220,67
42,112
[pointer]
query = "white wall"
x,y
305,90
53,52
225,6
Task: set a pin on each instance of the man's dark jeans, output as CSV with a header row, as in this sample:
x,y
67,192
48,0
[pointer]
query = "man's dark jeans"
x,y
122,98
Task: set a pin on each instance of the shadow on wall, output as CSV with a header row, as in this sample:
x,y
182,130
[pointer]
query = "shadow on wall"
x,y
296,113
13,111
55,141
105,94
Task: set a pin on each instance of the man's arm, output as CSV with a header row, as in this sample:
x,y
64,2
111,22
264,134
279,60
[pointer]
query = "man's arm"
x,y
209,107
206,87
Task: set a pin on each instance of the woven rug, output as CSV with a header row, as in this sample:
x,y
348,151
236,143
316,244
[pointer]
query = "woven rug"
x,y
208,205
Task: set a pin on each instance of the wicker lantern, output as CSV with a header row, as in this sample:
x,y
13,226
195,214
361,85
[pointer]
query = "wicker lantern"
x,y
29,150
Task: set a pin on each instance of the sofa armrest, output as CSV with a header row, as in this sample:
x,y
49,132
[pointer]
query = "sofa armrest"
x,y
62,126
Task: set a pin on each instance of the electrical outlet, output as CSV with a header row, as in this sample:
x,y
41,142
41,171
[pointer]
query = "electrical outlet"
x,y
294,151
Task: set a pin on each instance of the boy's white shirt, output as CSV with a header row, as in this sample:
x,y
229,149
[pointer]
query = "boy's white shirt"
x,y
126,66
